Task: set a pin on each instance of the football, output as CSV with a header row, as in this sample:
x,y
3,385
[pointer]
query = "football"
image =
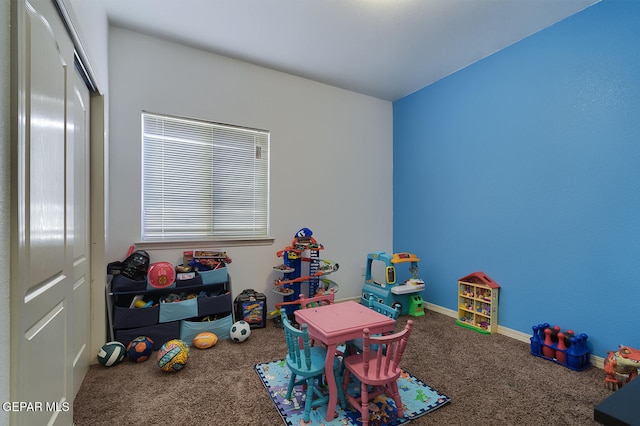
x,y
205,340
240,331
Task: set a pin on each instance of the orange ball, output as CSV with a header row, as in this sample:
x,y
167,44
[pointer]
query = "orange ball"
x,y
205,340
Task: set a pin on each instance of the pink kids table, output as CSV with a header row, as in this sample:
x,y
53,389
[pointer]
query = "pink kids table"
x,y
338,323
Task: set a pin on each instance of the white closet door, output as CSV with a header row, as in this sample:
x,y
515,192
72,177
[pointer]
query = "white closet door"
x,y
50,252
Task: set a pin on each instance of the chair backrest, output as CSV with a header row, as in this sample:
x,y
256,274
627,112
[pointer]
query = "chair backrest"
x,y
315,301
383,361
298,346
391,312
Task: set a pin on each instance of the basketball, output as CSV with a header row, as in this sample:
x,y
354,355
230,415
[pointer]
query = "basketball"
x,y
140,349
173,356
111,354
240,331
205,340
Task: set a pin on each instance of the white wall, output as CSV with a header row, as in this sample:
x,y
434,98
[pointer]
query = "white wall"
x,y
331,153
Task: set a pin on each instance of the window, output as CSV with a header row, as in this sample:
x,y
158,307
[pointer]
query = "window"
x,y
203,181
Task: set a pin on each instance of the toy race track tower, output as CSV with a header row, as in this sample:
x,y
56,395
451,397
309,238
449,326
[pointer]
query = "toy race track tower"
x,y
303,248
406,296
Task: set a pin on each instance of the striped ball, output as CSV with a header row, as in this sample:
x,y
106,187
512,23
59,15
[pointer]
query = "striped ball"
x,y
111,354
173,355
205,340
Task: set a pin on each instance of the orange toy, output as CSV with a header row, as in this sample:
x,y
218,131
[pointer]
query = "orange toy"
x,y
621,367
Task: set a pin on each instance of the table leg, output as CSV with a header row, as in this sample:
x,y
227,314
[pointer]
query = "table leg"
x,y
331,381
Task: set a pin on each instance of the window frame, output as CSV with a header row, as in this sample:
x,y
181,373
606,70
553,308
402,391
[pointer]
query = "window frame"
x,y
263,200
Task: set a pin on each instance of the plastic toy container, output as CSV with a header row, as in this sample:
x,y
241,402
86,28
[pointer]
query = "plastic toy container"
x,y
565,348
251,307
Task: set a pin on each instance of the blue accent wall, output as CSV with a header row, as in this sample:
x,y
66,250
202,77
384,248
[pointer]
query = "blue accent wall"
x,y
526,166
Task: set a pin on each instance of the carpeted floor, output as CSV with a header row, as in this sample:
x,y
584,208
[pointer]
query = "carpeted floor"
x,y
491,379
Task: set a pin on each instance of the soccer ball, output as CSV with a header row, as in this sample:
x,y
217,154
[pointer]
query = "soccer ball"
x,y
240,331
140,348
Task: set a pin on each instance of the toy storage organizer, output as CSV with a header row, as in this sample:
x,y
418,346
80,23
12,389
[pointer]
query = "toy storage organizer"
x,y
565,348
209,310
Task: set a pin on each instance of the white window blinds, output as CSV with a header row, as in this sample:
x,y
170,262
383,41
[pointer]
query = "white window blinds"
x,y
203,180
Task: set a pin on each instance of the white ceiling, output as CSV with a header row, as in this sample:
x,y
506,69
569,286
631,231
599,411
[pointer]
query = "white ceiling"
x,y
383,48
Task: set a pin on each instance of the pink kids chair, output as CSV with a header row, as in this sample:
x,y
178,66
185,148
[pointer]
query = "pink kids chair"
x,y
378,369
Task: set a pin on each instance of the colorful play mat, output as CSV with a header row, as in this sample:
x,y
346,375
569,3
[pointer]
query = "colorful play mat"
x,y
418,399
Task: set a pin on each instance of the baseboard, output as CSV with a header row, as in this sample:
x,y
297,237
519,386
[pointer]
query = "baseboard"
x,y
596,361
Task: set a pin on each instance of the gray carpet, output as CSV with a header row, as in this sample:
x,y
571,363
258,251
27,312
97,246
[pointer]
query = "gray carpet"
x,y
491,379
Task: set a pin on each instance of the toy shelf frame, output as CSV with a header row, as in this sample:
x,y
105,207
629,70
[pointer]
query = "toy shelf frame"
x,y
165,321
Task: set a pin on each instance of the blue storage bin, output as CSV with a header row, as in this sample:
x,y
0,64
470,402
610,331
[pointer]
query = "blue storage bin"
x,y
159,333
174,311
190,329
191,282
135,317
211,305
120,283
215,276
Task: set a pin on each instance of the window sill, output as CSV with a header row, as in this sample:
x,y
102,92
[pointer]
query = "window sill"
x,y
202,244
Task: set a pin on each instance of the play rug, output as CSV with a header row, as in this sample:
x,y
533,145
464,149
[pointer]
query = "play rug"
x,y
417,398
